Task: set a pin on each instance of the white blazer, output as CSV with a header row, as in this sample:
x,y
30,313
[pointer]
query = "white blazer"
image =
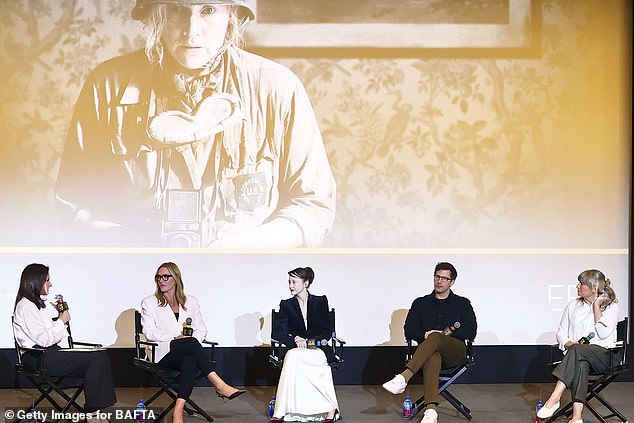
x,y
160,324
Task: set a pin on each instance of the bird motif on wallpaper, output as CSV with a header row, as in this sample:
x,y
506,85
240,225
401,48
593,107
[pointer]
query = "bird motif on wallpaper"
x,y
395,127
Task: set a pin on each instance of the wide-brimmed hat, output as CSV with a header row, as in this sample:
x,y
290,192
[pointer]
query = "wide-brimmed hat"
x,y
247,8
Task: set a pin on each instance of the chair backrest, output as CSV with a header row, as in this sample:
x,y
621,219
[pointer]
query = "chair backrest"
x,y
331,321
138,331
621,337
15,342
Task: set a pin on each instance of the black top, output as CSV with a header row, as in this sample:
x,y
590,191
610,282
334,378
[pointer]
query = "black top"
x,y
429,313
290,323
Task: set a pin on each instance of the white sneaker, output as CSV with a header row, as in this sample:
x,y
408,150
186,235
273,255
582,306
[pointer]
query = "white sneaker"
x,y
396,385
430,416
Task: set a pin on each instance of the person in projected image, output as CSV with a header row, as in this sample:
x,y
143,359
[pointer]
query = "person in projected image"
x,y
428,322
594,311
163,316
194,142
306,391
34,328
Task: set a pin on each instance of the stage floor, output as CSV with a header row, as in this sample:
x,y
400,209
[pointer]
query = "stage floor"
x,y
504,403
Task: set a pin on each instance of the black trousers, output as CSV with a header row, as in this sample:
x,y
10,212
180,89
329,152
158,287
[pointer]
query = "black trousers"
x,y
188,357
93,367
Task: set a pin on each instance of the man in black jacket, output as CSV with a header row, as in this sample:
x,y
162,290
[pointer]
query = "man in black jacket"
x,y
440,323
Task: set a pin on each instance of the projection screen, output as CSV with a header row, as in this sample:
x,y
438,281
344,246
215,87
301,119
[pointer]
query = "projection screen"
x,y
514,168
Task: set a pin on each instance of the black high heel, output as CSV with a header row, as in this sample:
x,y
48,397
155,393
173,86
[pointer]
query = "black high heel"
x,y
236,394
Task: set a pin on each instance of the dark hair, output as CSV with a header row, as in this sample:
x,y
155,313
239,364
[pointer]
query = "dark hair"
x,y
443,265
304,273
31,283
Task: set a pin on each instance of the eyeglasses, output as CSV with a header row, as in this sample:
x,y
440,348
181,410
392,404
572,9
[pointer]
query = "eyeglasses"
x,y
443,279
162,277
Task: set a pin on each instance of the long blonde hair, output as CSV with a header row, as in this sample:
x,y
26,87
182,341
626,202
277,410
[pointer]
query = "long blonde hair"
x,y
179,293
595,279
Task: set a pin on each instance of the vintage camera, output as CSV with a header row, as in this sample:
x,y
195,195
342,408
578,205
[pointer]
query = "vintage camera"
x,y
182,228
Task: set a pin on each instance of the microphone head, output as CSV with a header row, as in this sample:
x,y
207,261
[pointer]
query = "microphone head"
x,y
59,297
456,325
591,335
188,320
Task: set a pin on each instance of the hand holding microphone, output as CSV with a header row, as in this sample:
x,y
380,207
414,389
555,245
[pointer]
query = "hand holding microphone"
x,y
451,329
59,304
62,308
187,327
586,339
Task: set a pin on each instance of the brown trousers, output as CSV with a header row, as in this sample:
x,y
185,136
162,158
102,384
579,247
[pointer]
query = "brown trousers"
x,y
434,353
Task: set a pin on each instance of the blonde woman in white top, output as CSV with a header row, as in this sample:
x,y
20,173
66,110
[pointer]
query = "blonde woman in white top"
x,y
595,312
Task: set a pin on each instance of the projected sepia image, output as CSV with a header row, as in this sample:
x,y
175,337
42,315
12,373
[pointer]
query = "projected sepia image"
x,y
103,147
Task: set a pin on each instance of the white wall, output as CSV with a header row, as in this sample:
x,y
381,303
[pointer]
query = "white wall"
x,y
518,295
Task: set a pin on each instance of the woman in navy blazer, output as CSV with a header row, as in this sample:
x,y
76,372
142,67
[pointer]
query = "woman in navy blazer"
x,y
306,389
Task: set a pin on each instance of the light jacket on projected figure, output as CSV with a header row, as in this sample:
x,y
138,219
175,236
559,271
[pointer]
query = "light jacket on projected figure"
x,y
194,142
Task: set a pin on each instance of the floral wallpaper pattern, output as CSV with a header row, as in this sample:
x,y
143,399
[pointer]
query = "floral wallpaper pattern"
x,y
426,152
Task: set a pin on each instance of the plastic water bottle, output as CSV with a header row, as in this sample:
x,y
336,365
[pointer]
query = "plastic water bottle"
x,y
139,412
407,407
540,404
32,417
271,406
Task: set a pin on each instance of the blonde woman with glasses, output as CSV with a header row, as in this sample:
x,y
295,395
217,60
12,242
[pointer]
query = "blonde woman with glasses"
x,y
163,315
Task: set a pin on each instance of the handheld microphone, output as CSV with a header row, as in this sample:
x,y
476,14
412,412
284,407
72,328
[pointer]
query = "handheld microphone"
x,y
314,343
187,327
60,305
450,329
586,339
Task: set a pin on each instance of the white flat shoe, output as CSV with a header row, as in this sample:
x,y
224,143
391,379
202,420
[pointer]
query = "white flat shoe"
x,y
546,412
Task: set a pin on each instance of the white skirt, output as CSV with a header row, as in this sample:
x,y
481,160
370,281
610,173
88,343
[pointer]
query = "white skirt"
x,y
306,391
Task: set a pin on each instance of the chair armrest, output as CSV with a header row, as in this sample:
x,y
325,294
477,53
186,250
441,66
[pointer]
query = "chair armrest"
x,y
338,340
87,344
410,349
276,352
618,348
552,362
40,356
212,353
140,343
337,348
277,344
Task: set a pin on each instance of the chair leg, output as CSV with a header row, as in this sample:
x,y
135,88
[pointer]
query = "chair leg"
x,y
463,409
606,404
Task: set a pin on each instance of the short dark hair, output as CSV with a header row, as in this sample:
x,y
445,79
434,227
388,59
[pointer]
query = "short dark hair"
x,y
304,273
31,282
443,265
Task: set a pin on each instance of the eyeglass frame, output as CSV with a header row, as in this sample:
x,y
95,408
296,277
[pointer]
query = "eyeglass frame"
x,y
164,278
443,279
